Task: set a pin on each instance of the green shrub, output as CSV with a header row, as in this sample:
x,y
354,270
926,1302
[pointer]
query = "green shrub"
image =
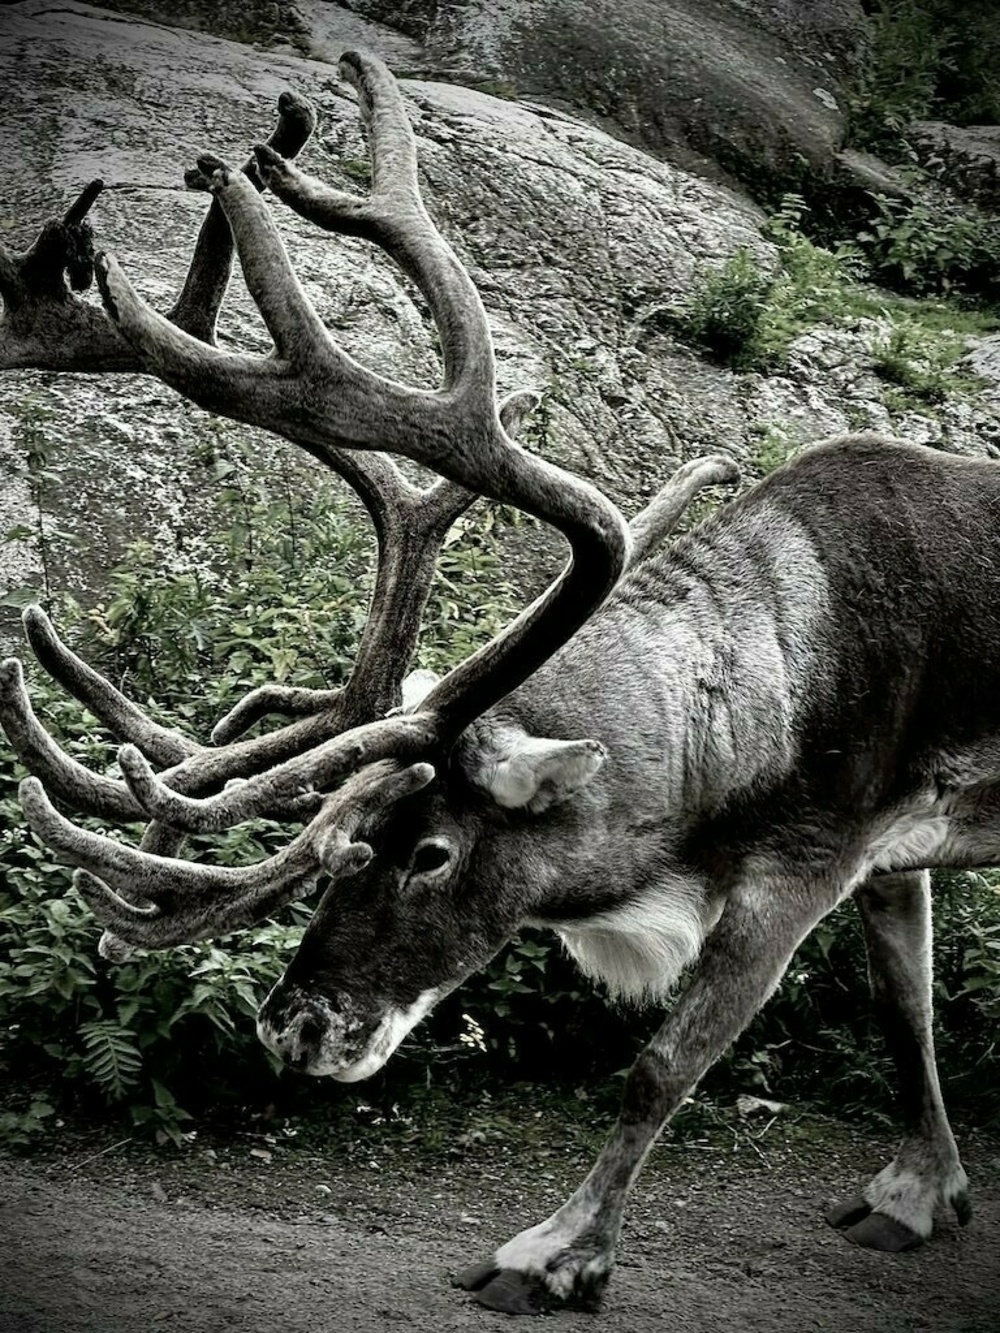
x,y
749,321
817,1038
725,311
926,59
899,77
278,594
772,448
968,91
932,248
131,1034
967,952
924,366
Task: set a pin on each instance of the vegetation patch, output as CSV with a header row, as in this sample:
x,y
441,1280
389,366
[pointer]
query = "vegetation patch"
x,y
725,313
927,59
167,1039
932,246
748,319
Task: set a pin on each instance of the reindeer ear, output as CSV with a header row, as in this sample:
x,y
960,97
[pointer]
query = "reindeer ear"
x,y
416,687
532,773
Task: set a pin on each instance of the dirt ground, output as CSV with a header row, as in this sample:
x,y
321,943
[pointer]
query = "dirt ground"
x,y
257,1235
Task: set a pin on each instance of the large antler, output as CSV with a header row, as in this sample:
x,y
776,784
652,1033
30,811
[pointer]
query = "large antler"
x,y
312,392
46,325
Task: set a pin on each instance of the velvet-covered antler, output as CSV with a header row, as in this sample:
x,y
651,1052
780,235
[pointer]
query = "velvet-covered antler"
x,y
310,391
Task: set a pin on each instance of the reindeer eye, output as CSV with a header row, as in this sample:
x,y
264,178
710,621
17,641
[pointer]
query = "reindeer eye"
x,y
429,856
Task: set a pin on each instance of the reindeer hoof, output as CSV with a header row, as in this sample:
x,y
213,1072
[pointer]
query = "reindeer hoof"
x,y
513,1292
962,1205
475,1276
873,1231
504,1289
879,1232
843,1215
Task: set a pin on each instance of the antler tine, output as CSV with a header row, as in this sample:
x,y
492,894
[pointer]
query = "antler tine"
x,y
656,522
128,722
195,768
200,769
159,840
45,325
408,553
78,210
298,783
197,306
287,700
394,217
129,926
69,781
173,902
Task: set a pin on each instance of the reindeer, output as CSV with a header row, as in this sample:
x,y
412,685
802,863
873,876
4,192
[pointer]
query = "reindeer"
x,y
679,759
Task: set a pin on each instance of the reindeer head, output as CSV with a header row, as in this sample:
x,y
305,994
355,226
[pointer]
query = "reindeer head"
x,y
456,867
420,810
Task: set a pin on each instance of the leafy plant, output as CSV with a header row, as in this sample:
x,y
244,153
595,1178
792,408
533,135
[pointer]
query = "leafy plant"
x,y
926,247
280,593
968,90
899,78
472,597
356,168
926,59
967,955
920,344
725,311
20,1128
111,1056
773,448
144,1034
759,315
895,361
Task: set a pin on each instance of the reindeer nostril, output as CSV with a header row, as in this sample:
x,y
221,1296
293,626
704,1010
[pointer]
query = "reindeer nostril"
x,y
310,1032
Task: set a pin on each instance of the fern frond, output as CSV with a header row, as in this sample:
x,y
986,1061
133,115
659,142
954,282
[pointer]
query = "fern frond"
x,y
111,1058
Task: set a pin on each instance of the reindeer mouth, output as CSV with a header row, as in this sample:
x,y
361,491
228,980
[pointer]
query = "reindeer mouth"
x,y
314,1036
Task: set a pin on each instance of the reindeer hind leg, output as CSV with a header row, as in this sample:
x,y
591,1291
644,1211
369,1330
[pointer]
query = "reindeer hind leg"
x,y
896,1209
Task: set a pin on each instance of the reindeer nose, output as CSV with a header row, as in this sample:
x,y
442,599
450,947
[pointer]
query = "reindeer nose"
x,y
294,1031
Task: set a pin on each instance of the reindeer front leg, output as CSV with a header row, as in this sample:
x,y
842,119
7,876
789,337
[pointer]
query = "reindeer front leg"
x,y
567,1260
896,1209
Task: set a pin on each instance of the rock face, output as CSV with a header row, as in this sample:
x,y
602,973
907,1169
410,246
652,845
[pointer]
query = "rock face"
x,y
258,22
966,158
739,90
744,90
